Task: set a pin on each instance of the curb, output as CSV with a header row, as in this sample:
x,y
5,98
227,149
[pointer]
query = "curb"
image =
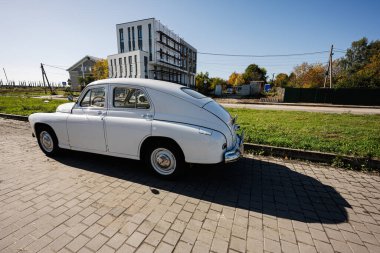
x,y
314,156
241,101
13,116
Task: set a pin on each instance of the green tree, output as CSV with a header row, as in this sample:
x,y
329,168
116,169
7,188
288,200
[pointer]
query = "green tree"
x,y
202,82
214,81
254,73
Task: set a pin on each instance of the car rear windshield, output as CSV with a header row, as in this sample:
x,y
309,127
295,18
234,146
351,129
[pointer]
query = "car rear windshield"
x,y
193,93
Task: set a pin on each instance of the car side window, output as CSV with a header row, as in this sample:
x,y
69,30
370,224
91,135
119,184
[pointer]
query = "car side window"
x,y
124,97
94,98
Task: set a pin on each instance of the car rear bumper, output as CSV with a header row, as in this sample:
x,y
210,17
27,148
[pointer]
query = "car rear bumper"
x,y
236,152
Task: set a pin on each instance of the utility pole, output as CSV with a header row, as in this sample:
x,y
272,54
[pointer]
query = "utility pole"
x,y
5,75
43,79
329,68
331,54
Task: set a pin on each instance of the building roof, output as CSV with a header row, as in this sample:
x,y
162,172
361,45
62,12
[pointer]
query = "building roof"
x,y
87,57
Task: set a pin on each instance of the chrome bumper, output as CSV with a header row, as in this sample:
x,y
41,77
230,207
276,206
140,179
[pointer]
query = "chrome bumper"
x,y
236,152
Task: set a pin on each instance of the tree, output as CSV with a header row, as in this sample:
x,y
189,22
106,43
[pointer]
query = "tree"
x,y
100,69
239,80
232,78
308,75
254,73
359,67
217,81
281,80
202,82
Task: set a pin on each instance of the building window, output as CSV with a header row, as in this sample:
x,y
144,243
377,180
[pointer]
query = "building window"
x,y
150,41
130,66
120,64
167,56
136,65
146,66
125,66
133,38
161,53
114,63
139,37
111,72
129,39
121,36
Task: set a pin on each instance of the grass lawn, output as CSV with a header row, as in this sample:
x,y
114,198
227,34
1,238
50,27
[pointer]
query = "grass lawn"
x,y
344,134
26,106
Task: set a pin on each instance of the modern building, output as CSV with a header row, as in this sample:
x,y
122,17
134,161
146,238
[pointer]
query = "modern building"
x,y
148,49
81,69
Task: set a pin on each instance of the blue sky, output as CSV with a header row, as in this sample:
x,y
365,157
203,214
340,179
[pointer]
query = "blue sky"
x,y
61,32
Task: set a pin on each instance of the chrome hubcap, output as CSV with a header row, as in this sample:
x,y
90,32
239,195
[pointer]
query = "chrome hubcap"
x,y
46,141
163,161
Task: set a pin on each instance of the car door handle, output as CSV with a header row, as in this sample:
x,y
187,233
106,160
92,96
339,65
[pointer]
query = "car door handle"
x,y
147,116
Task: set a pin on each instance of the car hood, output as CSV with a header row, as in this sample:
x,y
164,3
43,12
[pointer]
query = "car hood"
x,y
65,108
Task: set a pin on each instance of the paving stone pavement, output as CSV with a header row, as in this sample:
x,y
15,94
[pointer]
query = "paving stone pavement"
x,y
81,202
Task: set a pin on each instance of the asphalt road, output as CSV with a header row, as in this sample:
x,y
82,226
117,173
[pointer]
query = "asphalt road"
x,y
324,109
80,202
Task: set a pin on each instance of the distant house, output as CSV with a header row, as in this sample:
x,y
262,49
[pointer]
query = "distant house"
x,y
82,68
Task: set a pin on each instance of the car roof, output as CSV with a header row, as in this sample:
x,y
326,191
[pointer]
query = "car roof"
x,y
166,87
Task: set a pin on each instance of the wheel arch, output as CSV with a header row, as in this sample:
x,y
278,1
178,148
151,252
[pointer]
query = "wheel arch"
x,y
39,125
147,142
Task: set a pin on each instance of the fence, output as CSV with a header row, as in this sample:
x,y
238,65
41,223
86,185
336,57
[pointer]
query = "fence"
x,y
20,84
342,96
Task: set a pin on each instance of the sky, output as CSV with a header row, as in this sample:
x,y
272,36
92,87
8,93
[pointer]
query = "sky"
x,y
60,32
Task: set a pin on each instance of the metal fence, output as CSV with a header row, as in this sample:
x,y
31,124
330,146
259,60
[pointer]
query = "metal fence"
x,y
14,84
342,96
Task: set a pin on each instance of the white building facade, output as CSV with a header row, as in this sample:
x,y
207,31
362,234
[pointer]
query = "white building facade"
x,y
148,49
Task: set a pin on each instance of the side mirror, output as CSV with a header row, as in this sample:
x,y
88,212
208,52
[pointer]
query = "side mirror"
x,y
70,98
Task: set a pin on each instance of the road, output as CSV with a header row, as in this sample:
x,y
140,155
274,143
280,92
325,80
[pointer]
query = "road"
x,y
325,109
80,202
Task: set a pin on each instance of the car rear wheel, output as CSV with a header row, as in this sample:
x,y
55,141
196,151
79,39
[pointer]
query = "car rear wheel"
x,y
166,160
47,140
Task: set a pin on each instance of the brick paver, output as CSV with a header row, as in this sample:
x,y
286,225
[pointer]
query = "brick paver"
x,y
81,202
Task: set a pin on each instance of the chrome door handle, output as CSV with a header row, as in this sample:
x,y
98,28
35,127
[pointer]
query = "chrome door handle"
x,y
100,112
147,116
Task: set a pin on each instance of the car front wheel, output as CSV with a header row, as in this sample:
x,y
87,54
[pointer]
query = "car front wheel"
x,y
47,141
166,160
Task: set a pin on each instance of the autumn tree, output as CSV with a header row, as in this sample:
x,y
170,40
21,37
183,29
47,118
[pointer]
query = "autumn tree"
x,y
232,78
308,75
239,80
100,69
281,80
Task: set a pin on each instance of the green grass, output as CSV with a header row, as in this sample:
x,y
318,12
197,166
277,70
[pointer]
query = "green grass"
x,y
26,106
344,134
32,92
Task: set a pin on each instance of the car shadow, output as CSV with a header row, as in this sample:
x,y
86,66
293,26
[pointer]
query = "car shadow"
x,y
249,184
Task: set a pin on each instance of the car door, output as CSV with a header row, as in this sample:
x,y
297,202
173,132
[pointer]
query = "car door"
x,y
129,119
85,125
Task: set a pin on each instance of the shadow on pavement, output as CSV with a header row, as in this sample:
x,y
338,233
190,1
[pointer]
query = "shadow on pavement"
x,y
250,184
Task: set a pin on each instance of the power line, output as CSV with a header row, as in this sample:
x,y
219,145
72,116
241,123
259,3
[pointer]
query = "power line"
x,y
262,56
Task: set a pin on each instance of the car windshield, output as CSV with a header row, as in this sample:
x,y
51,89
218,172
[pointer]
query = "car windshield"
x,y
193,93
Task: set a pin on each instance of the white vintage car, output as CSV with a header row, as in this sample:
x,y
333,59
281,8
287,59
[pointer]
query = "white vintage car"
x,y
165,124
